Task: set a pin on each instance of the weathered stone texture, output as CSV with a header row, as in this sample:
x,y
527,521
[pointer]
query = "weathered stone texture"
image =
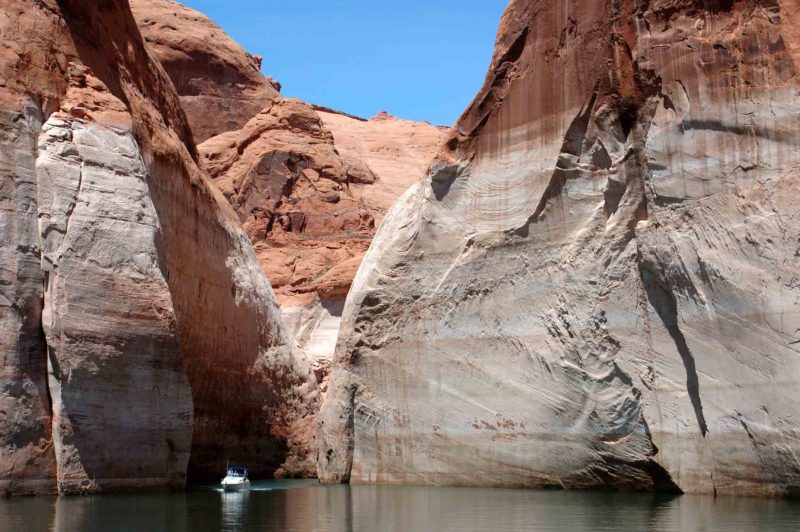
x,y
27,463
597,283
221,85
121,399
308,199
126,276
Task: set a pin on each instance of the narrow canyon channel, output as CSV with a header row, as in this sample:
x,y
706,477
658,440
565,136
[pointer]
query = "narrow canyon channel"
x,y
574,306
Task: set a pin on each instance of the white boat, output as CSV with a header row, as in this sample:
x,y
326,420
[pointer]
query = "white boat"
x,y
236,479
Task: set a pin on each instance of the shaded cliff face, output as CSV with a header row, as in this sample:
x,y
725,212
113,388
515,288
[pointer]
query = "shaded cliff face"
x,y
221,85
108,315
132,302
597,283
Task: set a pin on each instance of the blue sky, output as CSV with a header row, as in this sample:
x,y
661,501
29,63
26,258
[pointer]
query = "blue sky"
x,y
417,59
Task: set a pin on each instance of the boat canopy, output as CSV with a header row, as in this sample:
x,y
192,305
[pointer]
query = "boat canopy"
x,y
237,471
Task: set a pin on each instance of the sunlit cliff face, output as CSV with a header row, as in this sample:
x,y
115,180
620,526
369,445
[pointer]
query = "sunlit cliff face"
x,y
595,285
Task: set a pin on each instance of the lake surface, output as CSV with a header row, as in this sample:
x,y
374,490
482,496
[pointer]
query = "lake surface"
x,y
305,506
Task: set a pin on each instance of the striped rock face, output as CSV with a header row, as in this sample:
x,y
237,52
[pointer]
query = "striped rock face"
x,y
598,282
141,342
108,319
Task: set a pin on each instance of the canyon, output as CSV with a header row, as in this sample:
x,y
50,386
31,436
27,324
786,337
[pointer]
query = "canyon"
x,y
596,285
143,346
591,281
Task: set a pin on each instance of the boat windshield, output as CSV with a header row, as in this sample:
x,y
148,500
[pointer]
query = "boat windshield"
x,y
237,472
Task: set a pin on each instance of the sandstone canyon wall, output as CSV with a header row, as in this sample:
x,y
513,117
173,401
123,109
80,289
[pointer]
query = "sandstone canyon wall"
x,y
597,284
140,338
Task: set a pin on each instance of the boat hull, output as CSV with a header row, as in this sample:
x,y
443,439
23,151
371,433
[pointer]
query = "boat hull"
x,y
236,486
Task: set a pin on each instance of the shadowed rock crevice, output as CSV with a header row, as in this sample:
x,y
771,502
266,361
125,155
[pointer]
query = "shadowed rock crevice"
x,y
517,47
628,115
665,304
637,475
662,480
442,178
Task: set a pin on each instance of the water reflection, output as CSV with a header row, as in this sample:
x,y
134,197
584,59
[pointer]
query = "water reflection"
x,y
121,513
307,507
234,509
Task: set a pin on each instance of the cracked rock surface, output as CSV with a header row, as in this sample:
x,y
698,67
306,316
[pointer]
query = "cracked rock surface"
x,y
598,282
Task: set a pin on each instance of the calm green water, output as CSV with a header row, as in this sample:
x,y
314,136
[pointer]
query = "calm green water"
x,y
304,506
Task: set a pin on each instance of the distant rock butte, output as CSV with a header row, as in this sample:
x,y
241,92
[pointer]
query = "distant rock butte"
x,y
141,340
310,188
598,282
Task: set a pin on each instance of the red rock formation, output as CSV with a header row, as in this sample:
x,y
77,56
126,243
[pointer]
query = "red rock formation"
x,y
597,282
310,188
398,152
291,188
137,289
221,85
309,184
303,184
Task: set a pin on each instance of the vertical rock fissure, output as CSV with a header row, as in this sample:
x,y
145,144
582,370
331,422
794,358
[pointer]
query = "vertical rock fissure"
x,y
71,209
663,300
351,443
46,353
661,297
